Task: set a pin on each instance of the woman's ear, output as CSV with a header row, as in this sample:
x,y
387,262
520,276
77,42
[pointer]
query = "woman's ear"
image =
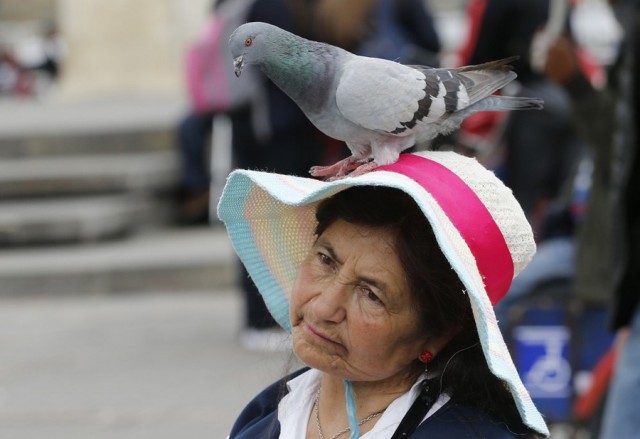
x,y
435,344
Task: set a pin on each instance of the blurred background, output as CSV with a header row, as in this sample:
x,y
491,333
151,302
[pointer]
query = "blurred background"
x,y
120,309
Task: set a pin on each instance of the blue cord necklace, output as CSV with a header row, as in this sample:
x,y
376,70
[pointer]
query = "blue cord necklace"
x,y
354,424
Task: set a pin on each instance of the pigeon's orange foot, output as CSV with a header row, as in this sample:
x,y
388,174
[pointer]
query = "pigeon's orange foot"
x,y
363,169
324,171
339,169
357,170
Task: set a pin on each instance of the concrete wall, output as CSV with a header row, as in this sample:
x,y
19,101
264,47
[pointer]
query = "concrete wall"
x,y
126,47
26,10
117,48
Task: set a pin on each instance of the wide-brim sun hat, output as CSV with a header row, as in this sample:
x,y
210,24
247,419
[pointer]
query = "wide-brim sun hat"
x,y
478,224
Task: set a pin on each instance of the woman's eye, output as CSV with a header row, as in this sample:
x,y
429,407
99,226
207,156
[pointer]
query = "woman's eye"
x,y
324,259
369,294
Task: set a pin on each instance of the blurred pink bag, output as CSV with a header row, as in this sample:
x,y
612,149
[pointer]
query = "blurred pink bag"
x,y
211,82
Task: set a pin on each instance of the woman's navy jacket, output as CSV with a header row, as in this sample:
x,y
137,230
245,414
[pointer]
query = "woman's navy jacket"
x,y
259,419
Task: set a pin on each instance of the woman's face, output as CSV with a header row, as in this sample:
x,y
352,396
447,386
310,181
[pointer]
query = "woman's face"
x,y
351,308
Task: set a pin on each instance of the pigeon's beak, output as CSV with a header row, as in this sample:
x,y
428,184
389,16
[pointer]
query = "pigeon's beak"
x,y
238,64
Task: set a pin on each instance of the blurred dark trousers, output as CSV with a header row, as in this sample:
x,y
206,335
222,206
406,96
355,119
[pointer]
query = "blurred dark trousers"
x,y
194,134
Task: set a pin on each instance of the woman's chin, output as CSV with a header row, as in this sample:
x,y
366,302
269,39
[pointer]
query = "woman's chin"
x,y
316,357
308,353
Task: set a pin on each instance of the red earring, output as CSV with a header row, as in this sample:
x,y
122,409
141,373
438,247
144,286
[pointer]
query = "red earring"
x,y
426,357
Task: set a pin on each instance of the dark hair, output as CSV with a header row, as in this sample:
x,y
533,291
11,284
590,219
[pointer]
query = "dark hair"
x,y
438,293
331,21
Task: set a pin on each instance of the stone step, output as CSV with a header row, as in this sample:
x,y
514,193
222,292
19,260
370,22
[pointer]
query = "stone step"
x,y
77,219
20,145
56,115
59,127
87,174
192,259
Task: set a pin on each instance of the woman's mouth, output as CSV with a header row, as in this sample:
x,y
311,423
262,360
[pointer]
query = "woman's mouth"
x,y
316,334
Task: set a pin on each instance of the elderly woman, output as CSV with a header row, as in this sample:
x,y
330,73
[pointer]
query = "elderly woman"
x,y
386,282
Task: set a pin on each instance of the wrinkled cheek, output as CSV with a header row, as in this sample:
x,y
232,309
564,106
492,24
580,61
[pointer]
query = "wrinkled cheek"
x,y
299,345
301,295
304,350
368,348
296,302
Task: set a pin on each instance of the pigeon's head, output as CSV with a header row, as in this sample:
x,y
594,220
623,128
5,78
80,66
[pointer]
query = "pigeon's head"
x,y
248,43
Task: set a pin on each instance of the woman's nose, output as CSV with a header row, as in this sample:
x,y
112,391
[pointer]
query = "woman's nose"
x,y
330,303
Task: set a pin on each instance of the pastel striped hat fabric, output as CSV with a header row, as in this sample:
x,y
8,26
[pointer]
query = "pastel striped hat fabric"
x,y
479,226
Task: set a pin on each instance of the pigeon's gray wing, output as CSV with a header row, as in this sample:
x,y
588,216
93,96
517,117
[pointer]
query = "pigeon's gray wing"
x,y
475,82
384,96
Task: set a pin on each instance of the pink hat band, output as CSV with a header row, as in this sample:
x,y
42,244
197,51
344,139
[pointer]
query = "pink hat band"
x,y
468,215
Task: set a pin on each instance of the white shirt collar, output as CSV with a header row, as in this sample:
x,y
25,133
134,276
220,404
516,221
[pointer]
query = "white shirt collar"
x,y
295,408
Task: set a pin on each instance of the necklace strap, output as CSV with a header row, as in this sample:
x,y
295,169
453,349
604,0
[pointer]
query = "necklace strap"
x,y
418,410
345,430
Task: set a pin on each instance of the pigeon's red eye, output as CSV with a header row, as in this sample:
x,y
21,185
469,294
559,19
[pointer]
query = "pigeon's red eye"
x,y
248,42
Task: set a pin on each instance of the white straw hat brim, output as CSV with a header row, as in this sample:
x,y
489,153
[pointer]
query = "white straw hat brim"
x,y
271,221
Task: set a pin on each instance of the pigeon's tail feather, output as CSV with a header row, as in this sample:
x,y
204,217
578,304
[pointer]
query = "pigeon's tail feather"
x,y
484,83
503,64
501,103
508,103
490,103
482,80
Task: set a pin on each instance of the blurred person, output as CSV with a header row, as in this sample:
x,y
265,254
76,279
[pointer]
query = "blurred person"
x,y
51,52
540,147
15,79
293,145
400,30
193,136
554,261
204,77
608,260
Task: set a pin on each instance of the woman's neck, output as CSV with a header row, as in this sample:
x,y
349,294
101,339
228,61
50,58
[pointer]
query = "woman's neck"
x,y
369,397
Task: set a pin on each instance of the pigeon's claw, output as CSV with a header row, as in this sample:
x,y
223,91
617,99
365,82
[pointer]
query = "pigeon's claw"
x,y
363,169
338,169
349,167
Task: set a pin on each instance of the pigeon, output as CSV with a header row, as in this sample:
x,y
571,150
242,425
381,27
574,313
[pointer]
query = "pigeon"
x,y
378,107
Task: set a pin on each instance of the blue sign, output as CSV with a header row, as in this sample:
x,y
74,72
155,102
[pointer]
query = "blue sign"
x,y
542,359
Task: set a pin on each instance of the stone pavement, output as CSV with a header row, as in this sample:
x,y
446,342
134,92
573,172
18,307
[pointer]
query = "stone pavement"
x,y
174,259
126,366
